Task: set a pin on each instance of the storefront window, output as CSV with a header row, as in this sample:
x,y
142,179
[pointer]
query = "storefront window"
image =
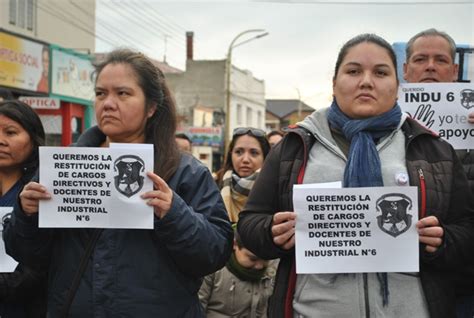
x,y
76,128
52,128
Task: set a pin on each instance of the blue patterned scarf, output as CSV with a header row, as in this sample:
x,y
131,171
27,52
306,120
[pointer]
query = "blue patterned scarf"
x,y
363,167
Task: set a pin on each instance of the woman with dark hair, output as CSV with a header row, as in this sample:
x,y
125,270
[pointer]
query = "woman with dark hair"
x,y
20,162
5,94
364,140
184,142
22,293
247,151
132,273
274,137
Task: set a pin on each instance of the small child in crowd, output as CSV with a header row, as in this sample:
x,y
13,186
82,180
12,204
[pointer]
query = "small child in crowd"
x,y
241,288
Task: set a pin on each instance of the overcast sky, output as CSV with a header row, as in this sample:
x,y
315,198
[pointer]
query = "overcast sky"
x,y
304,36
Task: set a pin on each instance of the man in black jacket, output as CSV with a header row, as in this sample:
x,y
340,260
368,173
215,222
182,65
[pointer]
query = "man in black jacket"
x,y
430,58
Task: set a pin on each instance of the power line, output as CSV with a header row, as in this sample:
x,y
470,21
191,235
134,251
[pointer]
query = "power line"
x,y
126,12
123,37
163,37
121,41
68,21
62,15
98,22
179,29
132,39
155,23
171,27
65,17
142,20
82,9
153,20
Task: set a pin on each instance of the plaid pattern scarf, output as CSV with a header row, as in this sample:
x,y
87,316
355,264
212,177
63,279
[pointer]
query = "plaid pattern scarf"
x,y
235,192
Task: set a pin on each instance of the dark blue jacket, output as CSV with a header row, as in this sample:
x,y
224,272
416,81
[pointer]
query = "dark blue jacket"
x,y
22,292
135,273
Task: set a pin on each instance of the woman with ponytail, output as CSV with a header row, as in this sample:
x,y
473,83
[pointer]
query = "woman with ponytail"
x,y
363,140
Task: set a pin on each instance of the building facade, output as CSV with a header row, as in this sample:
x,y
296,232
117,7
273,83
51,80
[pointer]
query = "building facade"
x,y
283,112
203,86
69,24
45,61
204,83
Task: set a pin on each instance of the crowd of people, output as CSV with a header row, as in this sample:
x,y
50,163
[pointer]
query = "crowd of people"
x,y
224,245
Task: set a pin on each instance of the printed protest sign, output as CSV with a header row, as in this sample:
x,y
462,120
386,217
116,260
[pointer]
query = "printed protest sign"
x,y
443,108
353,230
7,264
96,187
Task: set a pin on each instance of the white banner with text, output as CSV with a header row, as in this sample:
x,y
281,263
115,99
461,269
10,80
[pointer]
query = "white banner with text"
x,y
96,187
352,230
443,108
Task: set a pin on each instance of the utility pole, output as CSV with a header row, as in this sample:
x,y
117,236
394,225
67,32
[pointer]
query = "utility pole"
x,y
166,36
227,80
299,103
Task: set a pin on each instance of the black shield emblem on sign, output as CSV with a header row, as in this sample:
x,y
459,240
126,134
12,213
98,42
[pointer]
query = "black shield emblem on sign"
x,y
467,98
4,218
394,219
129,174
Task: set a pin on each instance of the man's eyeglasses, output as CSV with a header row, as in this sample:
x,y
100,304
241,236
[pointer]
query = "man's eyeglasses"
x,y
245,130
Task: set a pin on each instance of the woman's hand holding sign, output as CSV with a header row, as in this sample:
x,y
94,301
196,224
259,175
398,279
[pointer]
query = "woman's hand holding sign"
x,y
430,232
471,117
30,196
283,229
161,197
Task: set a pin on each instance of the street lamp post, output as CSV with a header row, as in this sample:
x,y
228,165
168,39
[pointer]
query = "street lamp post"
x,y
299,103
227,79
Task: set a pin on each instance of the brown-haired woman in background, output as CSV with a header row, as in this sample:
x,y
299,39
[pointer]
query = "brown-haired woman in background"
x,y
247,151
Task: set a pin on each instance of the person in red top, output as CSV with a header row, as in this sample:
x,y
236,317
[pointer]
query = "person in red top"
x,y
43,84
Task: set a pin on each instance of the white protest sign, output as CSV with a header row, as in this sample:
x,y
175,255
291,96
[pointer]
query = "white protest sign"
x,y
7,264
96,187
443,108
324,185
353,230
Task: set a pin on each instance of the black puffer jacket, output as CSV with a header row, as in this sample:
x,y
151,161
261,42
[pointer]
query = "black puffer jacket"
x,y
465,280
467,159
432,166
